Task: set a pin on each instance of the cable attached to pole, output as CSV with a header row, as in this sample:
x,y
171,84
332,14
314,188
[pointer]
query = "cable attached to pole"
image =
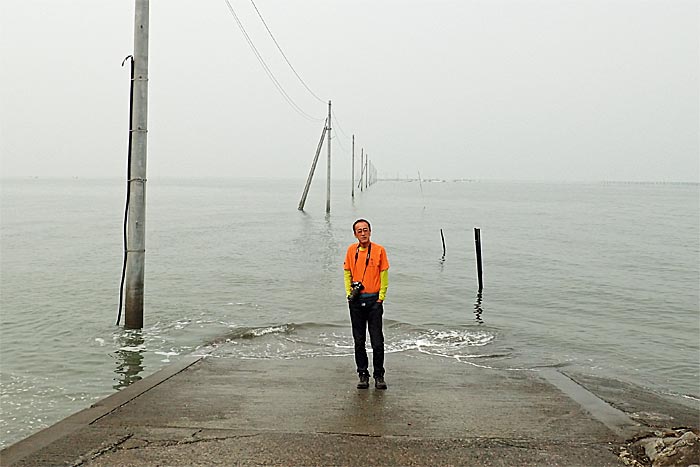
x,y
128,187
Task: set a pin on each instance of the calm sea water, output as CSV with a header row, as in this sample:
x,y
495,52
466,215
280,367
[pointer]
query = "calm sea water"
x,y
596,278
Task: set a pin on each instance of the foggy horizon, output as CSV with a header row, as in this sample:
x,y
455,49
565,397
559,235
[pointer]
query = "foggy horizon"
x,y
540,90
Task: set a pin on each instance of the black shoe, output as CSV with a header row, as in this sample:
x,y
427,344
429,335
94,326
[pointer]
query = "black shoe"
x,y
379,382
364,382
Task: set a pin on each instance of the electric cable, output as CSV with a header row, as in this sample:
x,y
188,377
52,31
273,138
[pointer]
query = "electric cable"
x,y
267,69
128,187
283,54
340,144
337,123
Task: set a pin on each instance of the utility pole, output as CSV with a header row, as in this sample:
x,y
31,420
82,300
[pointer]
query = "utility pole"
x,y
328,173
362,169
136,230
366,172
353,167
313,168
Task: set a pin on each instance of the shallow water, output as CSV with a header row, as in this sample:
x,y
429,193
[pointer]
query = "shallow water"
x,y
599,278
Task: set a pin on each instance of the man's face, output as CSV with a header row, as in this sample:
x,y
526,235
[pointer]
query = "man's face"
x,y
362,233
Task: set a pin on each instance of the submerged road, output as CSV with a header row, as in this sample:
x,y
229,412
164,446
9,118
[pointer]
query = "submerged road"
x,y
207,411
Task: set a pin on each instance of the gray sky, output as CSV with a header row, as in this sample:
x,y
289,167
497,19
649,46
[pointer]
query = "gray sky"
x,y
481,89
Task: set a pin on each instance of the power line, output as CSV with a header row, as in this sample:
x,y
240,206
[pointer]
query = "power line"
x,y
272,77
267,69
341,144
338,125
283,54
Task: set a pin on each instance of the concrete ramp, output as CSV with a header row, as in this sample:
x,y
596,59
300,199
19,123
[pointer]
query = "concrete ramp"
x,y
221,411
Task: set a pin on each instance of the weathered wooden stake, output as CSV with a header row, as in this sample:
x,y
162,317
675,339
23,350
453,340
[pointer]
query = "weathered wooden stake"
x,y
477,240
443,244
477,308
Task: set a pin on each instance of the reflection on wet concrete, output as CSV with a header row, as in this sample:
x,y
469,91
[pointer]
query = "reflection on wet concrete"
x,y
478,310
129,358
364,412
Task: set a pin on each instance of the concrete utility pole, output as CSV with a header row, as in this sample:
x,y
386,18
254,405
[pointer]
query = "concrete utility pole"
x,y
362,169
353,167
366,171
328,173
302,201
136,236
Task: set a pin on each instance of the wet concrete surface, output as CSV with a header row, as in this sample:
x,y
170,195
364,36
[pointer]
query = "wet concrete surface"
x,y
223,411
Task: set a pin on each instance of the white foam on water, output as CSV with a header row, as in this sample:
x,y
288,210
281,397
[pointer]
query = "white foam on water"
x,y
133,348
269,330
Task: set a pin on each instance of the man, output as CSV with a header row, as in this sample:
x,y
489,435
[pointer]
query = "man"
x,y
366,280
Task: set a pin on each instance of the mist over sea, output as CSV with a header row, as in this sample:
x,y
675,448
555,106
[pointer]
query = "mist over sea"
x,y
594,278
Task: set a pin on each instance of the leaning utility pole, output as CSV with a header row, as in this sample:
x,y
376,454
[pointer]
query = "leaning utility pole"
x,y
313,169
136,231
328,173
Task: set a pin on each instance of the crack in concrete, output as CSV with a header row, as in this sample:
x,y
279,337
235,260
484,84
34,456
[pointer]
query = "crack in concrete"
x,y
192,440
98,452
345,433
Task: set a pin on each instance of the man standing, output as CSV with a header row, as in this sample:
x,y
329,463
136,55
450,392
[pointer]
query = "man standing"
x,y
366,280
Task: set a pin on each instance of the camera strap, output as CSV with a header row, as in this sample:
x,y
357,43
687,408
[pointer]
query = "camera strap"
x,y
357,253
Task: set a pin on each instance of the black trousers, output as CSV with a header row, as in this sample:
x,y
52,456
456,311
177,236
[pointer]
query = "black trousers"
x,y
366,314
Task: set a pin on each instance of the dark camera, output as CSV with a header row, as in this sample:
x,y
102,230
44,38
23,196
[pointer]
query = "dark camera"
x,y
355,289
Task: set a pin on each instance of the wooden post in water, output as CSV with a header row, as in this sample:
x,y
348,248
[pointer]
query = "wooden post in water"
x,y
136,228
302,201
478,310
328,172
353,167
479,271
443,244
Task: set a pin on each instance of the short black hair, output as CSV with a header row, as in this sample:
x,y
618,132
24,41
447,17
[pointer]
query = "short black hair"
x,y
361,220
